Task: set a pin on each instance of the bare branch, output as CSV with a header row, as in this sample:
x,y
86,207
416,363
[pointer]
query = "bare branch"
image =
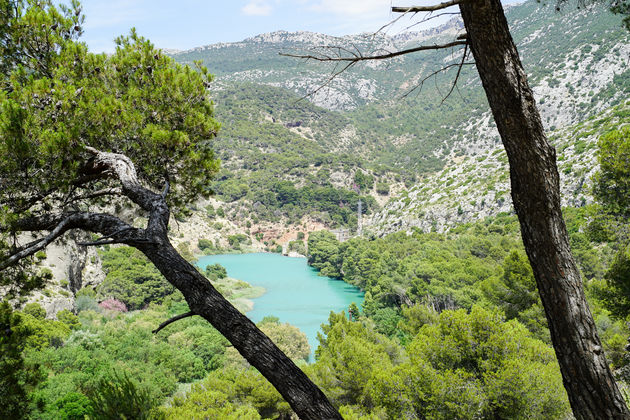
x,y
436,86
99,242
388,24
17,249
356,58
459,70
416,9
419,86
103,240
170,321
330,79
428,17
58,224
37,245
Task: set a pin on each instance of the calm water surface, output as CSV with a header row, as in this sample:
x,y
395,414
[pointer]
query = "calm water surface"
x,y
294,291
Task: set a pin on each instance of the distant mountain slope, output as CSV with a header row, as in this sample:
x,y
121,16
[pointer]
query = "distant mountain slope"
x,y
279,161
257,59
477,185
573,78
577,62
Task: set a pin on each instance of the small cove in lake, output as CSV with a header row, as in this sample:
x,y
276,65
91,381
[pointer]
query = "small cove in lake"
x,y
294,291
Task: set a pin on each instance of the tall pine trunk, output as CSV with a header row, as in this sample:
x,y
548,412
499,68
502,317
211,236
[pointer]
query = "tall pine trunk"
x,y
592,391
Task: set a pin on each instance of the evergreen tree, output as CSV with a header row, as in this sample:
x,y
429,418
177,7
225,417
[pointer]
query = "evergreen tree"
x,y
16,378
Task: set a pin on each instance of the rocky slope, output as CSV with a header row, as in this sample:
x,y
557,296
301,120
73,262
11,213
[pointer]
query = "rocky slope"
x,y
574,77
476,184
577,62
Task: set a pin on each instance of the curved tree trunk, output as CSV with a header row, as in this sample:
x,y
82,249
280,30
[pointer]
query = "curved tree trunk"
x,y
592,391
306,399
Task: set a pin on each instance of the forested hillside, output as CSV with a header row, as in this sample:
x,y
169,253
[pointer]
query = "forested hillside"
x,y
279,163
441,310
403,133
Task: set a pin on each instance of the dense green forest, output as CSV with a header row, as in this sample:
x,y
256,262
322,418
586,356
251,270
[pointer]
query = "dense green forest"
x,y
457,310
443,312
275,173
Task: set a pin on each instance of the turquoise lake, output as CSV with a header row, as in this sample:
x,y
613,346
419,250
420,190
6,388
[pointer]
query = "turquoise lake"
x,y
294,291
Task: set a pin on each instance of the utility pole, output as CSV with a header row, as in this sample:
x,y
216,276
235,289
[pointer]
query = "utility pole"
x,y
359,214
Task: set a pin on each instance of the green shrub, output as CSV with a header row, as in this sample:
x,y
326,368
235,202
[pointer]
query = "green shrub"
x,y
68,318
119,397
16,376
86,291
34,309
215,271
73,406
382,188
297,246
205,245
236,240
86,303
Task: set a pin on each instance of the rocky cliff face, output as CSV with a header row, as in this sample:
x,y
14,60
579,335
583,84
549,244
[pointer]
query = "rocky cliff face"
x,y
577,62
476,184
72,267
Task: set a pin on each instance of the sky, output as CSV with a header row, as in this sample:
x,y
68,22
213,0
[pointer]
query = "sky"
x,y
185,24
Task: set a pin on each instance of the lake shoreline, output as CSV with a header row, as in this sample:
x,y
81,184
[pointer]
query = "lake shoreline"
x,y
250,251
294,291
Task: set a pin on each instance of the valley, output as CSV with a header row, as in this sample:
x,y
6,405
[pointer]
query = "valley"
x,y
419,299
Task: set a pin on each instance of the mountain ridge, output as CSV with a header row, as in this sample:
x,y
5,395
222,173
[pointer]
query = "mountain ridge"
x,y
420,136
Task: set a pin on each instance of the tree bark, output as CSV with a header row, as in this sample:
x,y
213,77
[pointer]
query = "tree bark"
x,y
592,390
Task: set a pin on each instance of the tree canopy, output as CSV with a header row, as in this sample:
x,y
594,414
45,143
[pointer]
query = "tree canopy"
x,y
60,104
612,182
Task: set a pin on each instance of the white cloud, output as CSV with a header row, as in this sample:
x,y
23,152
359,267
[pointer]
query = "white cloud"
x,y
99,14
351,7
257,8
